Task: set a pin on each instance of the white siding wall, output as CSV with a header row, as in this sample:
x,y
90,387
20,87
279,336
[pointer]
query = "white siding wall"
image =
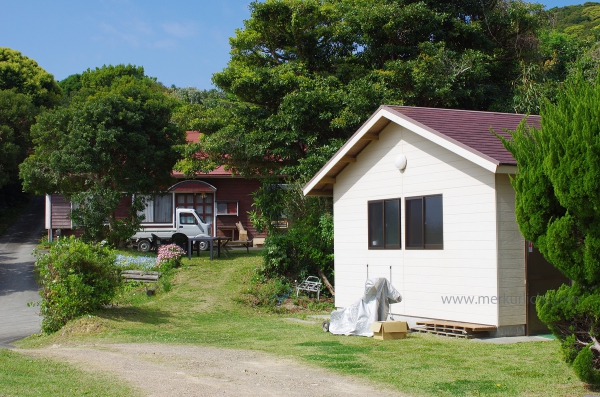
x,y
511,257
465,267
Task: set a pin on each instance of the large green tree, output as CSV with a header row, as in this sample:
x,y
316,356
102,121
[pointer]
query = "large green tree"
x,y
25,89
115,138
304,75
16,117
558,209
25,76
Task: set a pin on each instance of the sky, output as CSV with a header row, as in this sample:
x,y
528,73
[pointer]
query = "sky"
x,y
180,42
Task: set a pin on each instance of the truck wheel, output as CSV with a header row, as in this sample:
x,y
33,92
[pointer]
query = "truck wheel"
x,y
204,245
144,245
326,326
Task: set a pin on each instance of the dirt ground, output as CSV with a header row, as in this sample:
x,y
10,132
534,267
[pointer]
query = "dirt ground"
x,y
176,370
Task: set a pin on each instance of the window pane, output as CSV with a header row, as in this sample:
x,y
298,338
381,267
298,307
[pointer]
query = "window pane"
x,y
163,209
414,223
376,224
180,199
148,212
434,221
392,223
187,219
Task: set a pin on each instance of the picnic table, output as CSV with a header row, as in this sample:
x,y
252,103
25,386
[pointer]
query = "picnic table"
x,y
221,243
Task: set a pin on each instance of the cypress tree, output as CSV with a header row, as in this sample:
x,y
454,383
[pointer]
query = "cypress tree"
x,y
558,209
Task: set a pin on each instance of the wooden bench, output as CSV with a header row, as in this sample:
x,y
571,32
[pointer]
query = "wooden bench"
x,y
242,242
140,275
239,243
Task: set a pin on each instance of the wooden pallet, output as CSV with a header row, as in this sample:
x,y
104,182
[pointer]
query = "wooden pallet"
x,y
454,329
140,275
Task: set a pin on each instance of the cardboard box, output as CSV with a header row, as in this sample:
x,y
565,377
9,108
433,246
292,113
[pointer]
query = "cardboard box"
x,y
385,330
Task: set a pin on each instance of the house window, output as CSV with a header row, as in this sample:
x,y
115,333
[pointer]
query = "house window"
x,y
227,207
159,209
163,208
424,222
384,224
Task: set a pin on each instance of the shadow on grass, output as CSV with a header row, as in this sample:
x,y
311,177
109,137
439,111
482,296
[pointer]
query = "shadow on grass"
x,y
134,314
336,347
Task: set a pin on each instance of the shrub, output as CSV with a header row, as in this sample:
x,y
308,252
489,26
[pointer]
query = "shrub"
x,y
76,279
169,256
265,293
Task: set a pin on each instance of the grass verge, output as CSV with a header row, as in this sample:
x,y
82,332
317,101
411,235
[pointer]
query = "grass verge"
x,y
23,376
202,307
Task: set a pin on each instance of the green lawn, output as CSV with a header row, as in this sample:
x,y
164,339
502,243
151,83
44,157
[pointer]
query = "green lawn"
x,y
23,376
202,308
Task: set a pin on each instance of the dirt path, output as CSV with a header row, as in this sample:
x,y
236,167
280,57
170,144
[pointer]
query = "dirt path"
x,y
171,370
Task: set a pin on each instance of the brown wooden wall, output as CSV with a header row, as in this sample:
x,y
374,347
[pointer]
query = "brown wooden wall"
x,y
123,209
236,189
61,210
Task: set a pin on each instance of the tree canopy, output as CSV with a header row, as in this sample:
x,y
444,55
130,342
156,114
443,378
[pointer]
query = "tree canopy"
x,y
558,209
27,77
25,89
582,20
16,117
114,138
303,75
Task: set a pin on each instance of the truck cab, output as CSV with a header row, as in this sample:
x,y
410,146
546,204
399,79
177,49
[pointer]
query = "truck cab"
x,y
187,222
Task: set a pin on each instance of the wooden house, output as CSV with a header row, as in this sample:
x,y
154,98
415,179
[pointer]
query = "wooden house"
x,y
422,196
219,197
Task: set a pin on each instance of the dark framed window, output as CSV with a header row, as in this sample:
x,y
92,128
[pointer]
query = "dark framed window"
x,y
424,222
384,224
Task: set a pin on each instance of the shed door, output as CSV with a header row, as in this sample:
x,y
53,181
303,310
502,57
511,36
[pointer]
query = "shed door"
x,y
541,277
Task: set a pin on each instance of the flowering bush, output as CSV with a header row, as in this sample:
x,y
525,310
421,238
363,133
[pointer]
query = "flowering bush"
x,y
135,262
169,256
76,279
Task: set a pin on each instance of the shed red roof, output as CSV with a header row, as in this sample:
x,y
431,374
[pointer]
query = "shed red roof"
x,y
471,128
464,132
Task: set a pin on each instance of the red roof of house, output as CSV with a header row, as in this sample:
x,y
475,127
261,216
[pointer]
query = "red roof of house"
x,y
471,128
194,137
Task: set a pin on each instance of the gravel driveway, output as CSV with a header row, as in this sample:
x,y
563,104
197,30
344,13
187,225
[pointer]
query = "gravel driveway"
x,y
176,370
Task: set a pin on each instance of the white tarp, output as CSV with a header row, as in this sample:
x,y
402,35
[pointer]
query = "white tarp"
x,y
357,318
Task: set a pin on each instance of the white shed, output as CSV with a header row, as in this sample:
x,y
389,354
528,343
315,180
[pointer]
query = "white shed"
x,y
422,196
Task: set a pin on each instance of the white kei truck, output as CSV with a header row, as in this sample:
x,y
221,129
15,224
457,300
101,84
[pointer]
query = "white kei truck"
x,y
187,222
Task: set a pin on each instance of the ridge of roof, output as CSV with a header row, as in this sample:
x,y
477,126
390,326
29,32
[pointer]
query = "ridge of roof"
x,y
471,128
464,132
